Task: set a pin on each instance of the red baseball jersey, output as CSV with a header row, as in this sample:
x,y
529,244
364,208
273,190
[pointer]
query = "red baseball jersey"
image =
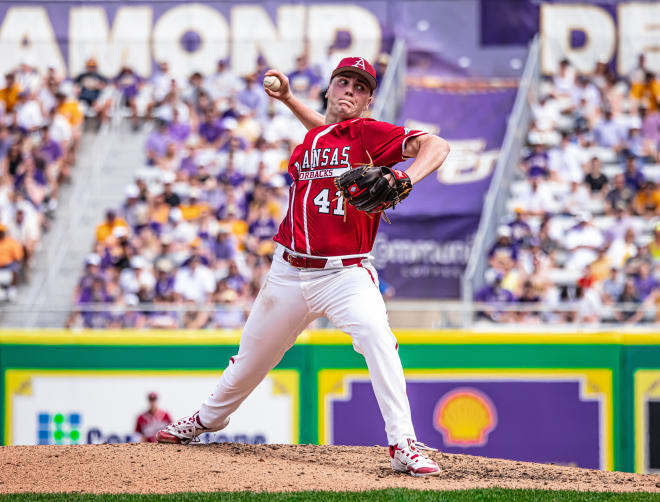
x,y
315,223
148,425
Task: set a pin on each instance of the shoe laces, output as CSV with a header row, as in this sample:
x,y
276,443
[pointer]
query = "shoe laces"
x,y
193,422
419,446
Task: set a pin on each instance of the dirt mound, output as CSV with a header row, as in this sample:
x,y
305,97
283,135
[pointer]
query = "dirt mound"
x,y
154,468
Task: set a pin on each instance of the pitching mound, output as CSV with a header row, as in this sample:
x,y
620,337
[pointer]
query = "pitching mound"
x,y
154,468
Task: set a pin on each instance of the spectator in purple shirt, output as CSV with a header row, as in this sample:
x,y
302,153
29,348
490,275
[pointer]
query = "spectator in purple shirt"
x,y
178,130
210,128
230,176
632,175
95,295
224,247
609,133
650,126
303,80
536,163
493,295
263,226
164,280
157,142
5,140
645,283
50,149
129,83
235,280
252,97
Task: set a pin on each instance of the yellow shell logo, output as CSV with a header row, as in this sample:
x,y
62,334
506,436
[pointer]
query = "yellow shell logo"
x,y
465,417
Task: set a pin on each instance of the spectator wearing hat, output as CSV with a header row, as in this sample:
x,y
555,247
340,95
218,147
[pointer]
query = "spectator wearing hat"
x,y
91,83
152,420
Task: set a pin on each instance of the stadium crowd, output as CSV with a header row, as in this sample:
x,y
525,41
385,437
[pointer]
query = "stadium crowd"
x,y
192,242
41,118
582,242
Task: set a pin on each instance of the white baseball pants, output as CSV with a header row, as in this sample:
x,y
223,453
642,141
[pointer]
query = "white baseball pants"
x,y
289,300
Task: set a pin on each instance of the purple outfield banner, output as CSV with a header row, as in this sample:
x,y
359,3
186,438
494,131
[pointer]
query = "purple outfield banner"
x,y
423,252
528,419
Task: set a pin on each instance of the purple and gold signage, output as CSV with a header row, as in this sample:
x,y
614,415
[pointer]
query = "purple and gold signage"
x,y
559,416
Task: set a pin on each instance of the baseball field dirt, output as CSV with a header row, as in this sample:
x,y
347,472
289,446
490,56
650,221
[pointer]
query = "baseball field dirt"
x,y
156,468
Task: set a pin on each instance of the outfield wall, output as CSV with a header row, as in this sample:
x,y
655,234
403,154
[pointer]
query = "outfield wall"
x,y
591,400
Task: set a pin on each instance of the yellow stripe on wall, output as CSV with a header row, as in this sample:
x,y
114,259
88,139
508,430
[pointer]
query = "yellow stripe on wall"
x,y
318,337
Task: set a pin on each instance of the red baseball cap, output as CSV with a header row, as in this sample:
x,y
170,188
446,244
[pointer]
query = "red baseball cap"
x,y
357,65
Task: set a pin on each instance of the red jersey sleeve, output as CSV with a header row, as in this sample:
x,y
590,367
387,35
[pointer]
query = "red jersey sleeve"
x,y
139,425
386,142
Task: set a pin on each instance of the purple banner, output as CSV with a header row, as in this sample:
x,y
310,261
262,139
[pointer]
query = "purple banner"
x,y
538,421
423,253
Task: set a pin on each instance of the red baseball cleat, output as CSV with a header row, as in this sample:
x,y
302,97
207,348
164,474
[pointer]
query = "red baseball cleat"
x,y
185,430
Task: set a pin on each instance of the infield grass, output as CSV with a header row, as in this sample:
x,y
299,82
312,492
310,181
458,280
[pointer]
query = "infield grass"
x,y
392,495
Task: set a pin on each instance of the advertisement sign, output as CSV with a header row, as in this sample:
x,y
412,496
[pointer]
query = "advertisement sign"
x,y
423,253
647,421
540,415
97,406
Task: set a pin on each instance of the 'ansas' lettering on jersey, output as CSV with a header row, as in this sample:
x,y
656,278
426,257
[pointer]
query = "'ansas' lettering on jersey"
x,y
324,162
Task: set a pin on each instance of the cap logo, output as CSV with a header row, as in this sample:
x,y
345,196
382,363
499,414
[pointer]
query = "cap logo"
x,y
359,64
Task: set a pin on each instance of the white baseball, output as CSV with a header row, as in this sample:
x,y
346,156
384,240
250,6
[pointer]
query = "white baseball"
x,y
272,82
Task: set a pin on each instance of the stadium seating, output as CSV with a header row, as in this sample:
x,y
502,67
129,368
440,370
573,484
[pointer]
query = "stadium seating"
x,y
192,242
582,240
41,121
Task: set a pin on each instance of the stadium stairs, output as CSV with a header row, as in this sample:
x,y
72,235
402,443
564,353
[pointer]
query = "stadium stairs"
x,y
106,164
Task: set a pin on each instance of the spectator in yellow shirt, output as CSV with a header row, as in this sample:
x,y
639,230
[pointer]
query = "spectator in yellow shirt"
x,y
105,229
11,262
9,94
70,109
647,201
11,251
647,92
195,208
654,245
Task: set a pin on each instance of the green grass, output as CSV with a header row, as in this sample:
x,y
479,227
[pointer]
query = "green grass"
x,y
393,495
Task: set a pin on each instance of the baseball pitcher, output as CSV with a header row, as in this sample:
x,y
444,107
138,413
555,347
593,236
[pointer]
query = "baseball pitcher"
x,y
343,179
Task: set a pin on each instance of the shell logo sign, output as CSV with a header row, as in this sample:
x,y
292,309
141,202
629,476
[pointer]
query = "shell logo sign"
x,y
465,417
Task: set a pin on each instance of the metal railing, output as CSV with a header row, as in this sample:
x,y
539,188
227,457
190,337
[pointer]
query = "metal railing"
x,y
571,314
494,207
392,90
